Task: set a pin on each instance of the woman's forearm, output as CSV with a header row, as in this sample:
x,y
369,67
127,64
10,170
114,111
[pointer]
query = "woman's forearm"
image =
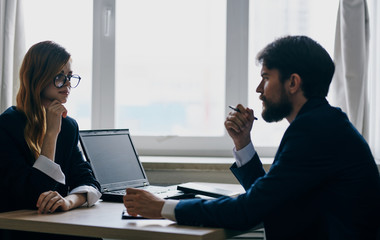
x,y
48,146
76,200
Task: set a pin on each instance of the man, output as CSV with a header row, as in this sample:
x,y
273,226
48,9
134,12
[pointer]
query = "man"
x,y
323,183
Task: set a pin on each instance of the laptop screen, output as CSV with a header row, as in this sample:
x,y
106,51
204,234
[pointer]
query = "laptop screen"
x,y
113,158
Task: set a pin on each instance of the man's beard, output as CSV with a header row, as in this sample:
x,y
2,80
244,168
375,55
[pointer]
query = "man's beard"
x,y
276,111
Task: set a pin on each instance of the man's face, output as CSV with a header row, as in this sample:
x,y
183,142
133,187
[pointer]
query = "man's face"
x,y
276,103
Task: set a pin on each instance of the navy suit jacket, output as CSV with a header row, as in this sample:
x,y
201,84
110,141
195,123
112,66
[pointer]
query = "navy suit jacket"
x,y
323,184
20,183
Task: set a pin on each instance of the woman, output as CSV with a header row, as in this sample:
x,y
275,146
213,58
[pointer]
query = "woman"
x,y
41,165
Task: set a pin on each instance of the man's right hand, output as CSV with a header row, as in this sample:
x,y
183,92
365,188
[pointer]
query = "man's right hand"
x,y
239,126
143,203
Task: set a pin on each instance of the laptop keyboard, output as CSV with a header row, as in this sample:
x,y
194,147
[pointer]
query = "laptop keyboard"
x,y
158,189
120,192
152,189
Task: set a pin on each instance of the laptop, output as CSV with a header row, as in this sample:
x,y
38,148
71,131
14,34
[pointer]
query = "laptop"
x,y
116,165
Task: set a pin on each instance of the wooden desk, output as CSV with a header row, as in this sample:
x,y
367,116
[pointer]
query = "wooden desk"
x,y
104,220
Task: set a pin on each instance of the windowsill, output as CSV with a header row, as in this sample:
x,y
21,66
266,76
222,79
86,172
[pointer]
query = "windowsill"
x,y
200,163
170,170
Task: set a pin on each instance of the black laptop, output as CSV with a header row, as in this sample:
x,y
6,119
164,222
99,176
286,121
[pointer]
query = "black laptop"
x,y
116,165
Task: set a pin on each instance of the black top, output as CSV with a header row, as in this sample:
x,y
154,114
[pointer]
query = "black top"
x,y
20,183
323,184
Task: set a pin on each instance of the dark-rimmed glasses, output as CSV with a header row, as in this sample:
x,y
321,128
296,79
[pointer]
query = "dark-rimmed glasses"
x,y
60,80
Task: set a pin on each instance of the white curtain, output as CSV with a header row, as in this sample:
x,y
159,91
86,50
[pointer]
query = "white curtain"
x,y
356,84
351,59
12,50
374,79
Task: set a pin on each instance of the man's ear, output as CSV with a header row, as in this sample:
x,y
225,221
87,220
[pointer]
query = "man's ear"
x,y
294,84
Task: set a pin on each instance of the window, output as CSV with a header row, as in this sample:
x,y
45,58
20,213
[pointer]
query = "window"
x,y
170,67
69,23
165,79
272,19
167,69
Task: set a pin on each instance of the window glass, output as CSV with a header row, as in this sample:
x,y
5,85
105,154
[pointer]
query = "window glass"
x,y
69,23
272,19
170,67
170,58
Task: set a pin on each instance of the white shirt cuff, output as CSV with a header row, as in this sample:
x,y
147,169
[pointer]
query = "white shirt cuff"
x,y
244,155
168,209
50,168
93,194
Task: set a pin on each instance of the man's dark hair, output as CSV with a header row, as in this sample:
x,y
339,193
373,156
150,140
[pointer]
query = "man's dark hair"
x,y
304,56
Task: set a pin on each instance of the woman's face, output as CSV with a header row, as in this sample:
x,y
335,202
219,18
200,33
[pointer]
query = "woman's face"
x,y
51,92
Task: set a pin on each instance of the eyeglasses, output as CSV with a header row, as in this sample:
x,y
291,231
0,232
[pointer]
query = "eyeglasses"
x,y
60,80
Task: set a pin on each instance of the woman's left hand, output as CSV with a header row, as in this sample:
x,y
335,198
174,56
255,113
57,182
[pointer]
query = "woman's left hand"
x,y
54,113
50,201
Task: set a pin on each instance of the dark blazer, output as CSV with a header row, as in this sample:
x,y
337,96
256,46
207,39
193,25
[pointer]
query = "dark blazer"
x,y
20,183
323,184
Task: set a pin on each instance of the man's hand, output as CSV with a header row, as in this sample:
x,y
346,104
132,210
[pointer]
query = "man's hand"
x,y
239,126
143,203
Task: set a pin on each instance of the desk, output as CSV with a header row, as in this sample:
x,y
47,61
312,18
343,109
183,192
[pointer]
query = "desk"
x,y
104,220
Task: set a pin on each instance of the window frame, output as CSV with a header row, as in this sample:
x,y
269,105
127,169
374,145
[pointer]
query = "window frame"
x,y
236,80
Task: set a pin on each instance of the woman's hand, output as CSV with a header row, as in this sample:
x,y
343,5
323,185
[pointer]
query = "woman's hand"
x,y
50,201
54,113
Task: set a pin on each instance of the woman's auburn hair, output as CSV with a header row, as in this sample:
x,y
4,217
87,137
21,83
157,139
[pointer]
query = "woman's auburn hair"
x,y
41,64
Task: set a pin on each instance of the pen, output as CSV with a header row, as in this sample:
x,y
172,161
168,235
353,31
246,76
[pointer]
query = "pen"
x,y
237,110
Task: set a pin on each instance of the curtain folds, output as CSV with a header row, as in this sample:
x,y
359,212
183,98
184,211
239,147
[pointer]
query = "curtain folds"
x,y
351,56
12,50
356,83
374,79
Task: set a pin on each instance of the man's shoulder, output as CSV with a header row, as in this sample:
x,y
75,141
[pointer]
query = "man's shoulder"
x,y
320,127
320,114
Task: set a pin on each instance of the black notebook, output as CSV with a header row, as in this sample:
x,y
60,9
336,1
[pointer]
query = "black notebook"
x,y
206,190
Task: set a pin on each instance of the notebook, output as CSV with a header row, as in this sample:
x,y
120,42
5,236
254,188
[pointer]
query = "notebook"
x,y
206,190
116,165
